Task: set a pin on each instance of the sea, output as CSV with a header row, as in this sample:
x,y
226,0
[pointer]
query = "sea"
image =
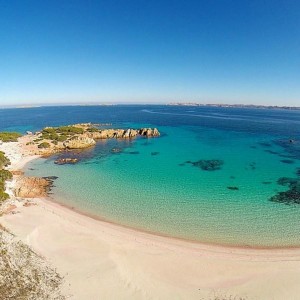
x,y
218,175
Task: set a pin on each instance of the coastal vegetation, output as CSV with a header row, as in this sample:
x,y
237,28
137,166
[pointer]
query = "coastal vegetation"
x,y
24,274
9,136
51,140
4,175
4,161
44,145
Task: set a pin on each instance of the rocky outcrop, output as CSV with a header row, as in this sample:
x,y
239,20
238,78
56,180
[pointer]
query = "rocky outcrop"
x,y
32,187
79,136
79,142
149,132
123,133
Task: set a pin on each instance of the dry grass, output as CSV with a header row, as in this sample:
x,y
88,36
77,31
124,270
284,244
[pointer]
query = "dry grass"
x,y
24,274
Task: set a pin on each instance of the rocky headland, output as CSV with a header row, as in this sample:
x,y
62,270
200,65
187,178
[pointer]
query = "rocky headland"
x,y
49,141
79,136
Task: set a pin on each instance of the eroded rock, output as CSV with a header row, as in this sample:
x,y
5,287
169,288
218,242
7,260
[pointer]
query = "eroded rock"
x,y
32,187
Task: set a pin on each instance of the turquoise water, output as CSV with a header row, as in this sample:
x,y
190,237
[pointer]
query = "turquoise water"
x,y
149,185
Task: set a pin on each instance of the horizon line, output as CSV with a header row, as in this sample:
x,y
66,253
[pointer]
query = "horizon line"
x,y
107,103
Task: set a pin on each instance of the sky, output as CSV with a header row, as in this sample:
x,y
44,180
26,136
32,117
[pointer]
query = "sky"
x,y
157,51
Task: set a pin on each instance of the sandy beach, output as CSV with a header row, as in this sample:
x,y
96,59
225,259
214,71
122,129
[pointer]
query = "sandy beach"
x,y
99,260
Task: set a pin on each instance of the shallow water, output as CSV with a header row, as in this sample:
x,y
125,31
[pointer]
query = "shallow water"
x,y
152,184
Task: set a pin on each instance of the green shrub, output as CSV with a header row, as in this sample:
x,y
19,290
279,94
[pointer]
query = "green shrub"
x,y
38,140
50,136
48,130
44,145
9,136
4,161
69,129
5,175
93,129
62,138
3,196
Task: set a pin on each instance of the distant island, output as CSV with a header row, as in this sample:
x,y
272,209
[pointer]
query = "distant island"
x,y
234,105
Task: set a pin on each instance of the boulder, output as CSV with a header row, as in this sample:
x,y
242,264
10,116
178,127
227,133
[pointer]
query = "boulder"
x,y
79,142
32,187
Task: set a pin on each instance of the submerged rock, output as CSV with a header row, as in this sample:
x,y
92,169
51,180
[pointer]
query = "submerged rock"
x,y
154,153
292,195
271,151
233,188
116,150
252,165
63,161
265,144
208,165
133,152
287,181
287,161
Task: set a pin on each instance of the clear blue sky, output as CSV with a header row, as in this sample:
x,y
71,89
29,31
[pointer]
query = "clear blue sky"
x,y
150,51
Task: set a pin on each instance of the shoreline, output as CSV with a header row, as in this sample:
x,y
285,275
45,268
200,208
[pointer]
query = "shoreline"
x,y
216,248
52,200
140,265
25,158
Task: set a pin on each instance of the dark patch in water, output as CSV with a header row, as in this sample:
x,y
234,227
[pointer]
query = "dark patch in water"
x,y
252,165
233,188
291,147
50,177
265,144
181,165
253,147
31,169
133,152
208,165
287,161
266,182
146,143
271,152
286,181
154,153
287,156
292,195
298,171
232,177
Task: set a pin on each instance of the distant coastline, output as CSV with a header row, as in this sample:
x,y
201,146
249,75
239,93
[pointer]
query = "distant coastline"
x,y
234,105
223,105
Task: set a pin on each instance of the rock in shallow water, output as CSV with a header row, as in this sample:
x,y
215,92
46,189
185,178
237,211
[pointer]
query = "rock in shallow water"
x,y
287,161
291,196
207,165
63,161
233,188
